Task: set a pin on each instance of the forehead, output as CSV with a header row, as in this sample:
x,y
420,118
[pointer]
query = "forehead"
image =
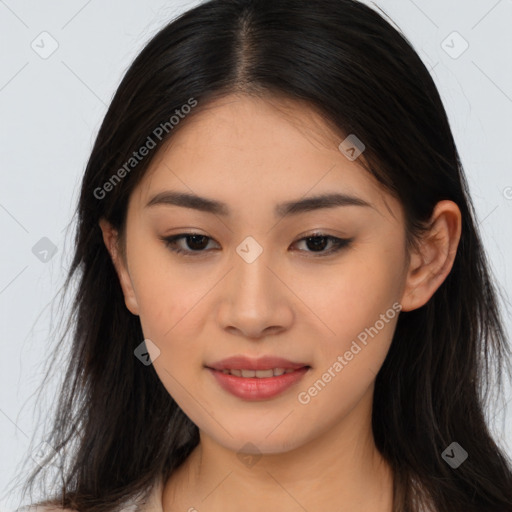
x,y
243,149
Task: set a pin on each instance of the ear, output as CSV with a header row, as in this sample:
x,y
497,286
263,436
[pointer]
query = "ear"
x,y
432,262
111,239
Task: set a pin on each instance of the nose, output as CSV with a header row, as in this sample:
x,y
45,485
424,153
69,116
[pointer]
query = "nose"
x,y
255,300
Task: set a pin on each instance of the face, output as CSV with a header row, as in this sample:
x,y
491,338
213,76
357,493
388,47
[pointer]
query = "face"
x,y
319,286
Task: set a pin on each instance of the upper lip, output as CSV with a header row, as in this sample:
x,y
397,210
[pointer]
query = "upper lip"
x,y
262,363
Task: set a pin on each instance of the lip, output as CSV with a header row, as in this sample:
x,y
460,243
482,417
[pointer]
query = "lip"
x,y
254,388
262,363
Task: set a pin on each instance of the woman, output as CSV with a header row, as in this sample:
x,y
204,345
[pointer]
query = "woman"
x,y
283,298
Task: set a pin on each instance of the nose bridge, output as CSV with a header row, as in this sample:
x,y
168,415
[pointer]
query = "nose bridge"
x,y
254,300
251,272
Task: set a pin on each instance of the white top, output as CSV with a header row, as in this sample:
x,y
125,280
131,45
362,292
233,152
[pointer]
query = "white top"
x,y
152,504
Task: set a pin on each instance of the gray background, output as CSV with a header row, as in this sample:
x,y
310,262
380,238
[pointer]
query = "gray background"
x,y
51,106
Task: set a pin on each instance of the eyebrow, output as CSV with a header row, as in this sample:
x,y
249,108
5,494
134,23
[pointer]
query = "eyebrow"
x,y
204,204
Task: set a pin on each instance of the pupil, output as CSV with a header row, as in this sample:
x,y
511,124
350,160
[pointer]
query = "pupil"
x,y
195,237
316,244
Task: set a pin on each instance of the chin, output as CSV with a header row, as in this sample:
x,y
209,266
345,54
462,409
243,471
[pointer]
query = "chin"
x,y
254,442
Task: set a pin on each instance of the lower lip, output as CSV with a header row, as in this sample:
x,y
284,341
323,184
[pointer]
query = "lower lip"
x,y
253,388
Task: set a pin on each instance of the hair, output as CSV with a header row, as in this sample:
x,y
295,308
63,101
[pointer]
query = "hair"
x,y
345,61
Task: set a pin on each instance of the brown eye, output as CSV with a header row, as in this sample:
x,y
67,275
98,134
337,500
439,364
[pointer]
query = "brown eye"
x,y
318,242
195,244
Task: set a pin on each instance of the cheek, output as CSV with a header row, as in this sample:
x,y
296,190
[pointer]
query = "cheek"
x,y
173,312
166,314
360,308
356,293
347,363
165,293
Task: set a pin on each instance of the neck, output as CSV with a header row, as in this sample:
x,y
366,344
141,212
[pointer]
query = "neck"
x,y
340,470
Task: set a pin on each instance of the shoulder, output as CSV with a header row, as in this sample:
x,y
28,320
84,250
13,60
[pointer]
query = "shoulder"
x,y
152,504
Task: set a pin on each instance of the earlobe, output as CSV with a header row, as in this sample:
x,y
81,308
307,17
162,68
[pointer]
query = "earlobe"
x,y
432,262
111,240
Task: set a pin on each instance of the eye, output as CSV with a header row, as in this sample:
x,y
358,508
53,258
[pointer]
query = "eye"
x,y
194,240
318,241
197,242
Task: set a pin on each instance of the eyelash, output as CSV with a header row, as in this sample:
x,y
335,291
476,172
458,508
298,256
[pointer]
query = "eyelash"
x,y
339,243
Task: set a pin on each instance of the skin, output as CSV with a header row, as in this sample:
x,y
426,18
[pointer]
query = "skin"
x,y
291,302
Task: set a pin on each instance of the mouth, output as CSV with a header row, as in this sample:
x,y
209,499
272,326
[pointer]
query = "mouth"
x,y
245,364
258,374
257,379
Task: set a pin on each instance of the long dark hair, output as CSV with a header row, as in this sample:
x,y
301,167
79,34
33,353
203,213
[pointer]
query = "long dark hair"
x,y
345,61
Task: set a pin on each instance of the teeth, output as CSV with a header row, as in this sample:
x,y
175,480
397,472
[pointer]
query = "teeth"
x,y
260,374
